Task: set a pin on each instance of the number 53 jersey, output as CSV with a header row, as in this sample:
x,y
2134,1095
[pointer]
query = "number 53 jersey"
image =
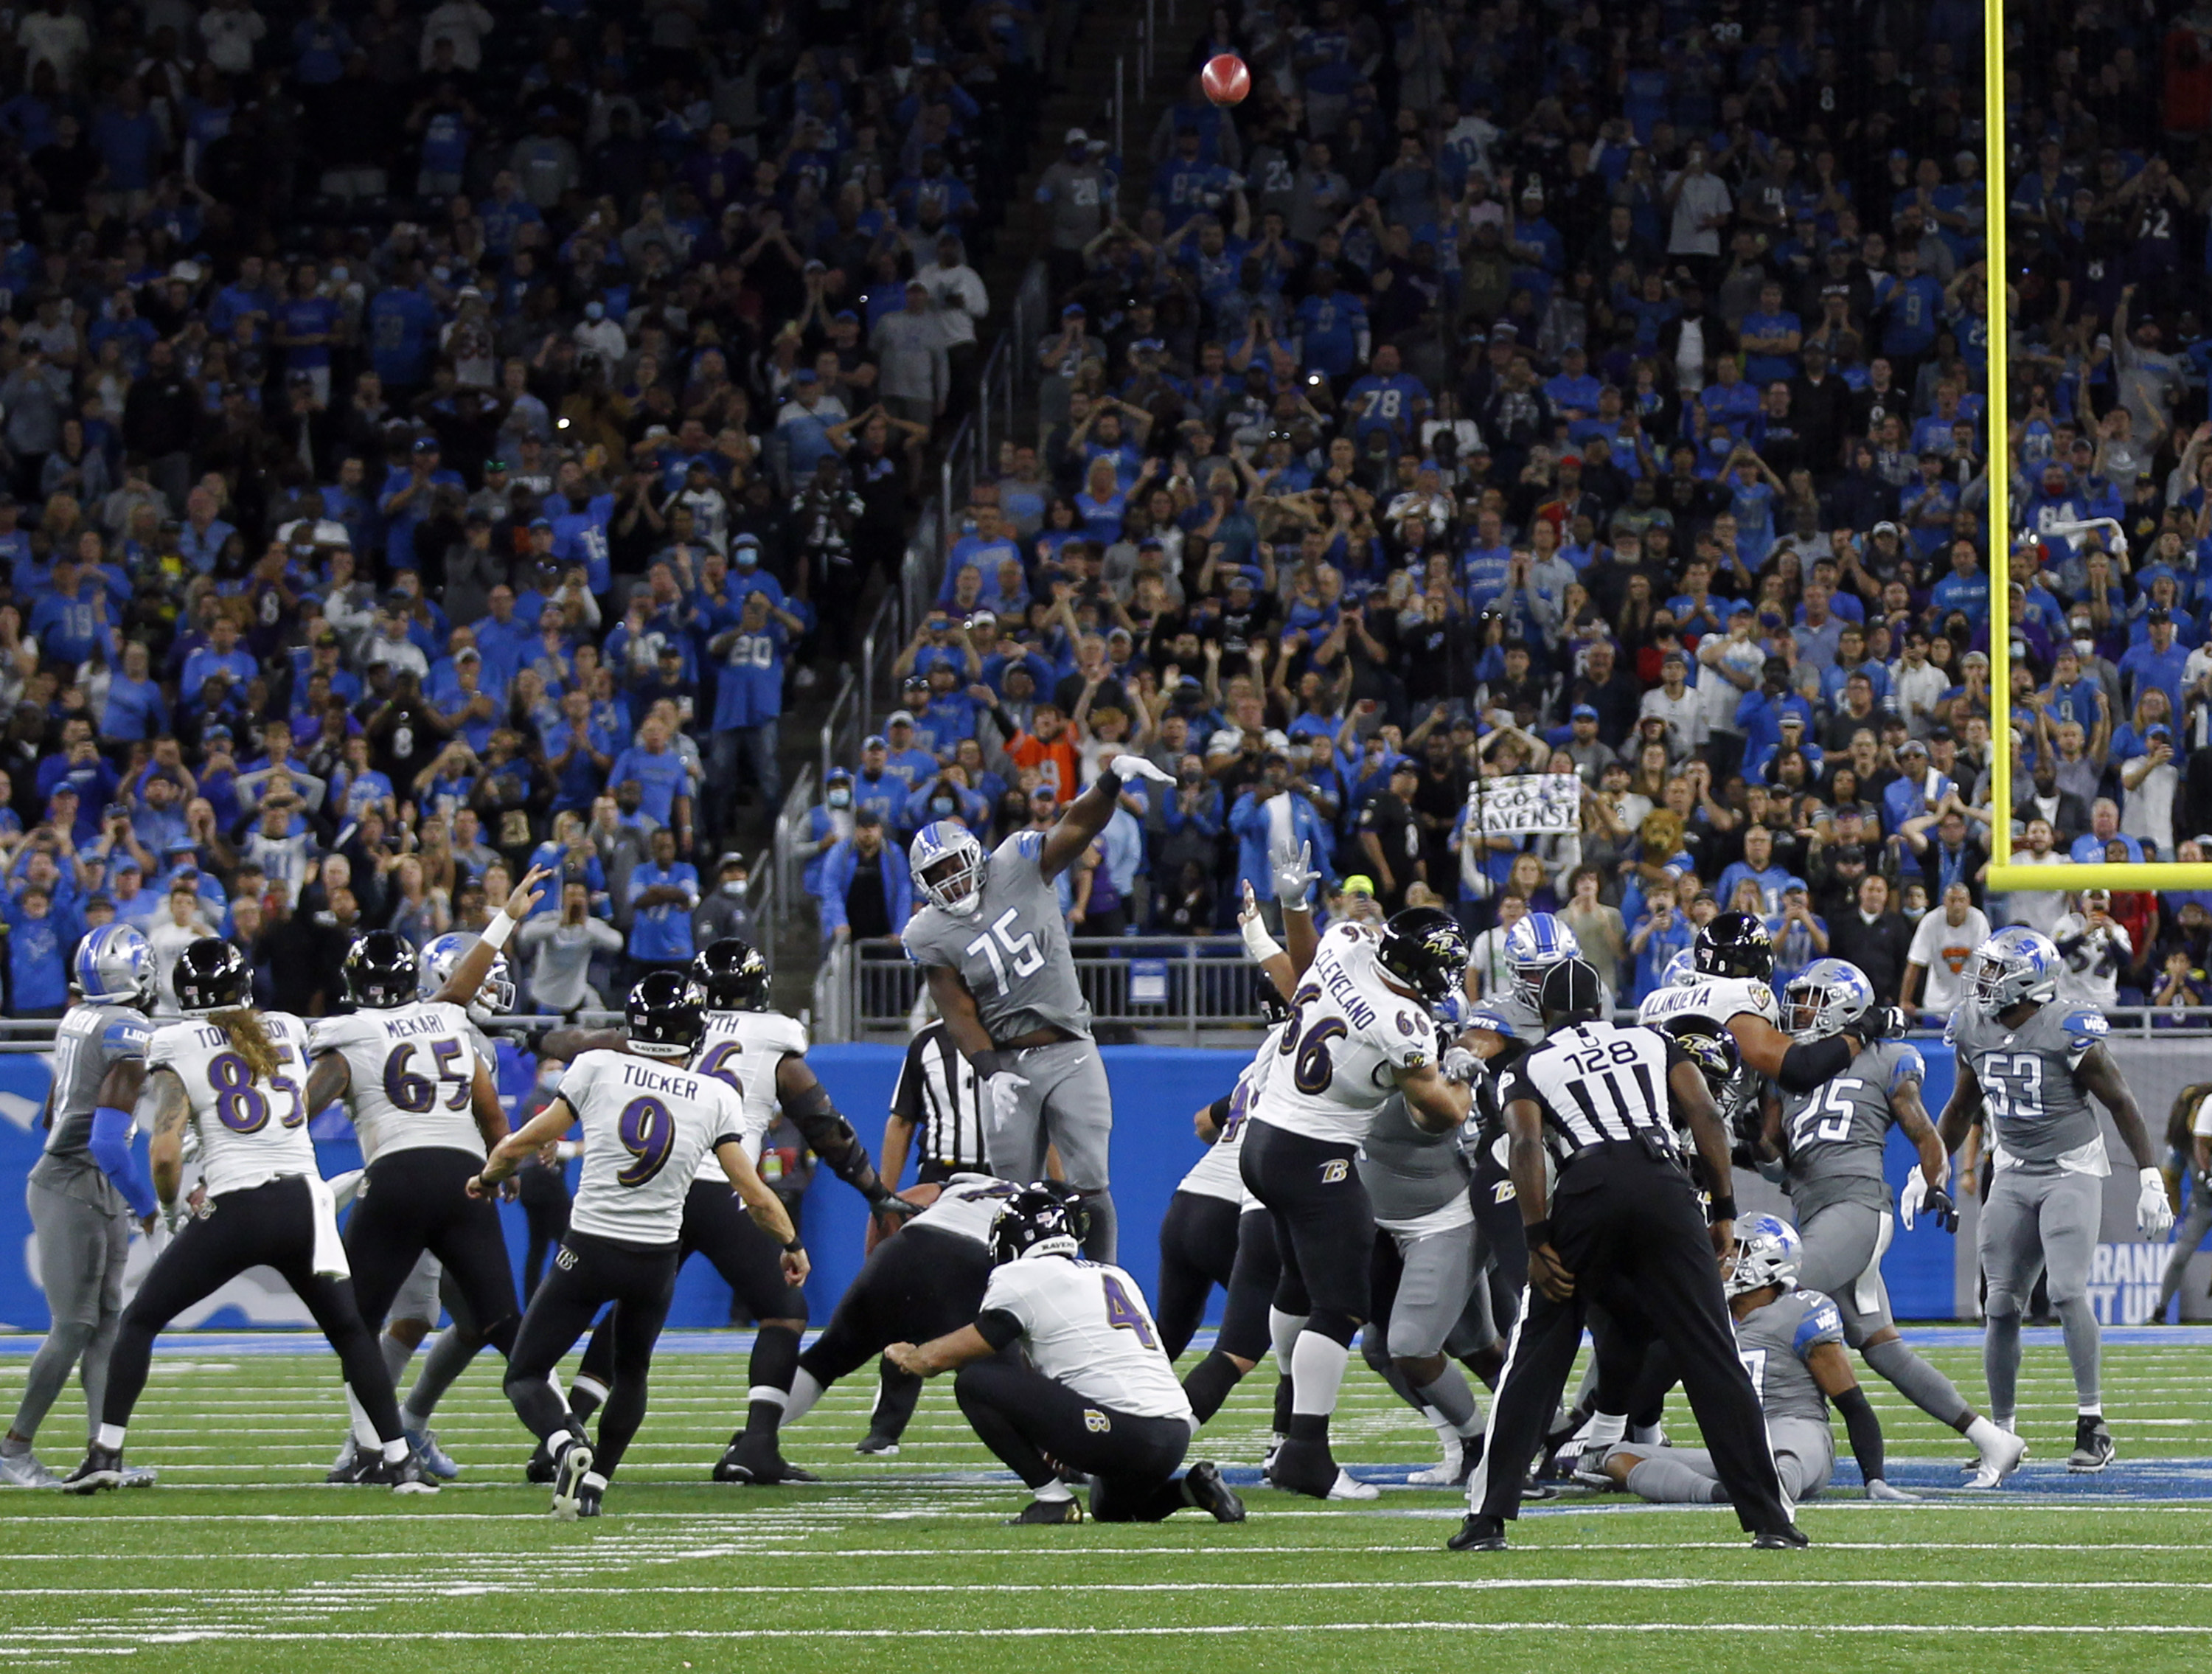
x,y
1085,1325
2039,1115
1013,954
1338,1059
647,1122
251,1131
412,1072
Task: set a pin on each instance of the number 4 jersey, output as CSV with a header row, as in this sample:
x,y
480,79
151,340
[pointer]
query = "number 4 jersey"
x,y
646,1124
413,1069
1833,1138
1086,1326
1013,953
2039,1115
250,1131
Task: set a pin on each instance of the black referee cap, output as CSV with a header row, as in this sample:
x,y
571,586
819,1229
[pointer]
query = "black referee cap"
x,y
1572,992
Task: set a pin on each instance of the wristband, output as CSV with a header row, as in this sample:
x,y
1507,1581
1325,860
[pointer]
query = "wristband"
x,y
793,1248
987,1064
1722,1208
1257,942
1537,1231
502,927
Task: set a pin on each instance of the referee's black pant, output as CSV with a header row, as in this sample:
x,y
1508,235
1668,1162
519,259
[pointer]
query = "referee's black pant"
x,y
1629,1229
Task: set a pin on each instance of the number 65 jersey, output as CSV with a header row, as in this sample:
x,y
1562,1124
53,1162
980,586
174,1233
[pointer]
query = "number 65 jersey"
x,y
1338,1060
251,1131
1013,953
2038,1115
412,1072
647,1122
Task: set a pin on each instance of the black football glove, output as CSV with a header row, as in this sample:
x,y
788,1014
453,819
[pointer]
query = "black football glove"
x,y
893,1207
1938,1207
1878,1023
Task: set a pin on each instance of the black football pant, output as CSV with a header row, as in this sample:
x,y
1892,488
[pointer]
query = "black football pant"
x,y
416,1199
1628,1227
918,1283
264,1225
1023,1416
1324,1225
589,1273
1198,1250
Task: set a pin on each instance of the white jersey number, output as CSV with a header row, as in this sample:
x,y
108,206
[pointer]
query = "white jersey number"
x,y
1028,957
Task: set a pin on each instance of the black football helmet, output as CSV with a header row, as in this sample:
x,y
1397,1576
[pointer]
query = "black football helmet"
x,y
1426,951
667,1015
1043,1218
212,976
380,971
732,976
1734,944
1713,1049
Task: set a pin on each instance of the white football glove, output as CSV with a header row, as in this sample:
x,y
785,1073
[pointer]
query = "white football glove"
x,y
1004,1090
1458,1064
1294,878
2153,1210
1137,767
1909,1200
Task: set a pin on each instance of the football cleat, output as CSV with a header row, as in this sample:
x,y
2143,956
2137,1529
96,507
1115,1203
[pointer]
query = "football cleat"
x,y
1478,1533
589,1493
1069,1510
1349,1486
759,1464
140,1476
1787,1539
539,1470
882,1446
102,1468
23,1470
1451,1471
435,1459
568,1472
404,1475
2092,1445
348,1462
1589,1468
1203,1487
1994,1467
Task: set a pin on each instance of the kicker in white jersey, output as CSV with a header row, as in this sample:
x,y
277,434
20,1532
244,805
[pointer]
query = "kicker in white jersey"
x,y
646,1125
1338,1056
412,1071
251,1129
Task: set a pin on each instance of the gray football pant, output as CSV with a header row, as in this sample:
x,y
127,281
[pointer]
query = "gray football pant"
x,y
81,1250
1845,1244
2033,1224
1804,1458
2186,1238
1437,1277
1067,1105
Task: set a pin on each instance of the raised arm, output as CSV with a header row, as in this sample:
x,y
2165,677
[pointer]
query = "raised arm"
x,y
474,965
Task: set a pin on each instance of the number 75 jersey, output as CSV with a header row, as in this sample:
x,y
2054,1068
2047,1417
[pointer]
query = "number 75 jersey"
x,y
1013,954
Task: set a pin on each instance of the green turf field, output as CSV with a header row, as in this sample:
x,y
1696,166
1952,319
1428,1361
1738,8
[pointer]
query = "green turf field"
x,y
238,1561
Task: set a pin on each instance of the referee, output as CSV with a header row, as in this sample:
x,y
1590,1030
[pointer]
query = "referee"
x,y
937,1095
1622,1231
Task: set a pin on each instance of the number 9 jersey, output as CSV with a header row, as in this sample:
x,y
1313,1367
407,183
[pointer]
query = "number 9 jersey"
x,y
1013,951
250,1131
647,1125
1338,1060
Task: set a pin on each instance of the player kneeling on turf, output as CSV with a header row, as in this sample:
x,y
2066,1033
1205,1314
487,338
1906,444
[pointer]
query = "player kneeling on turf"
x,y
1792,1343
1096,1394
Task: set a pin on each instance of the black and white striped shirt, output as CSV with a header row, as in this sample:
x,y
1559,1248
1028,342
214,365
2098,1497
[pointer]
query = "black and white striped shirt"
x,y
937,1092
1598,1081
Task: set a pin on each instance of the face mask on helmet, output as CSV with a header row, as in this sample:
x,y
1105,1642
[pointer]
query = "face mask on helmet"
x,y
1768,1252
1825,999
950,870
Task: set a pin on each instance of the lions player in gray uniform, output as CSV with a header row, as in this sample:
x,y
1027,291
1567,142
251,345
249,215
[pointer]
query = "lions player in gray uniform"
x,y
1828,1147
995,947
1791,1340
87,1186
2034,1065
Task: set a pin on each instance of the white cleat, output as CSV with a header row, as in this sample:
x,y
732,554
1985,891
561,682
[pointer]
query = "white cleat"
x,y
2001,1461
568,1480
23,1470
1348,1486
1448,1472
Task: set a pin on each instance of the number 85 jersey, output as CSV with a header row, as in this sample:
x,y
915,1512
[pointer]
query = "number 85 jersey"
x,y
251,1131
647,1124
1013,951
1338,1059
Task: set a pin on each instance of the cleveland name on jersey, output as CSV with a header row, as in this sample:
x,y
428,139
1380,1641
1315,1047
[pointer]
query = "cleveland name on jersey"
x,y
251,1129
412,1074
2040,1116
1339,1055
742,1049
646,1123
91,1041
1834,1137
1013,954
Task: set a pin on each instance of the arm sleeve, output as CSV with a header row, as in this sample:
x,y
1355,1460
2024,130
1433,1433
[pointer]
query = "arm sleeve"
x,y
831,1138
1865,1430
112,1149
1000,1329
1808,1064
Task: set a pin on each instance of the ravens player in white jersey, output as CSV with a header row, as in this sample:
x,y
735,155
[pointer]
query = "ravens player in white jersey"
x,y
1091,1390
761,1055
647,1120
1363,1030
2033,1065
87,1188
233,1074
988,932
412,1076
1828,1147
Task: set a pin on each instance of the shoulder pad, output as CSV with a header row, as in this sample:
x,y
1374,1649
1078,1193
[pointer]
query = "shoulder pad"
x,y
2086,1023
1820,1322
126,1036
1910,1066
1951,1027
1028,845
1487,1017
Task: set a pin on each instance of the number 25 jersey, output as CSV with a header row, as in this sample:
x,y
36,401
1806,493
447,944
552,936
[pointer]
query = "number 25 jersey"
x,y
413,1069
250,1131
646,1123
1013,954
1337,1058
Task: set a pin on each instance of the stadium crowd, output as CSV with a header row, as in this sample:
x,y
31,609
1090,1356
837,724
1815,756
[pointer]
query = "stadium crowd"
x,y
437,437
1509,389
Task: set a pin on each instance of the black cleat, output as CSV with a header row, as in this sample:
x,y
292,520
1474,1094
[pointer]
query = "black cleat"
x,y
760,1463
2092,1445
347,1469
589,1493
540,1467
1069,1510
402,1476
876,1442
1203,1487
102,1468
1478,1533
1787,1538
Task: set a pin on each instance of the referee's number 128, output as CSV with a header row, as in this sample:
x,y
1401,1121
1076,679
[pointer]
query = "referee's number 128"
x,y
1028,957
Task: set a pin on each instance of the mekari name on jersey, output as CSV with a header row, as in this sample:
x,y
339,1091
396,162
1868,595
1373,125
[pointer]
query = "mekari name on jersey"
x,y
646,1127
1339,1055
412,1073
742,1049
251,1129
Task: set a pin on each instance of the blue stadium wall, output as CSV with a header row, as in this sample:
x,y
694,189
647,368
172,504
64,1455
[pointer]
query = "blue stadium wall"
x,y
1156,1090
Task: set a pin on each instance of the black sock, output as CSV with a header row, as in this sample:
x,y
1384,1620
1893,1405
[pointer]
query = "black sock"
x,y
1209,1383
1309,1426
584,1401
774,1363
1283,1391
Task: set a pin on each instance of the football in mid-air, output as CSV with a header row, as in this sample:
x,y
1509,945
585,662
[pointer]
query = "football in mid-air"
x,y
1225,79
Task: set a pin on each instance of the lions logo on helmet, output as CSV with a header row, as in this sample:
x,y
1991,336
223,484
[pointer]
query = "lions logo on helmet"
x,y
114,966
1533,946
1767,1252
1824,999
947,865
494,998
2015,965
1681,970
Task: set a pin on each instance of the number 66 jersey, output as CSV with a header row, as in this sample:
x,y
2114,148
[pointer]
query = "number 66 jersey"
x,y
251,1131
1350,1034
1013,951
647,1124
